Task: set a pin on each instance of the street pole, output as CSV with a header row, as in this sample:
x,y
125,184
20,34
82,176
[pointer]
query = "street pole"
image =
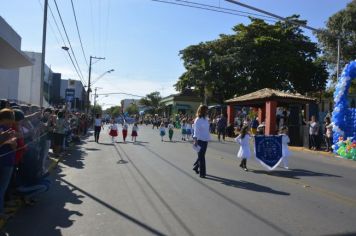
x,y
44,32
88,95
88,100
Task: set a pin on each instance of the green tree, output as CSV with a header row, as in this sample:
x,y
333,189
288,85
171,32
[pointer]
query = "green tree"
x,y
114,111
152,101
341,25
256,56
97,109
132,109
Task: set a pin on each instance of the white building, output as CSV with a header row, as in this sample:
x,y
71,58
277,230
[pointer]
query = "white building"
x,y
127,102
29,86
75,87
11,58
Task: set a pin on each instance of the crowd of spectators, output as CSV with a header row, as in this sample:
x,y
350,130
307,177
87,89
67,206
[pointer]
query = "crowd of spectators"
x,y
27,134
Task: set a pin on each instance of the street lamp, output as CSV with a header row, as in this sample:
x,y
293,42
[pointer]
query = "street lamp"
x,y
102,75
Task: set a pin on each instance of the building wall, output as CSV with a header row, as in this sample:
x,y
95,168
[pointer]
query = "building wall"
x,y
29,86
127,102
9,78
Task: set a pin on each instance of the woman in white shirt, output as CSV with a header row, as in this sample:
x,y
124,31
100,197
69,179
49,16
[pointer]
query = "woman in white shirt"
x,y
201,138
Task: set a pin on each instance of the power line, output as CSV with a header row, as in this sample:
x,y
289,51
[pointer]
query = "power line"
x,y
206,8
80,38
223,8
55,21
70,45
65,45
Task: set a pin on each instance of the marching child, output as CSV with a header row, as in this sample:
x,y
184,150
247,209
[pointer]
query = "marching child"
x,y
285,150
170,131
162,131
244,140
184,131
188,129
113,130
134,132
124,131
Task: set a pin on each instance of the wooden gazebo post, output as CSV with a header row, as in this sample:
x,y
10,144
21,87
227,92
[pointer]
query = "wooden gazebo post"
x,y
271,108
230,114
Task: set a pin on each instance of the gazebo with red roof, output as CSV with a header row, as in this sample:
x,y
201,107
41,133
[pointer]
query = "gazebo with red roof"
x,y
266,100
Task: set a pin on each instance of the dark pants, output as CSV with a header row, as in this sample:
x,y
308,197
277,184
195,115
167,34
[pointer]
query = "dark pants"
x,y
221,132
97,133
200,162
329,143
313,141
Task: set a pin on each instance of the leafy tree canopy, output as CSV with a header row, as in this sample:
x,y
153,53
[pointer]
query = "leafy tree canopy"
x,y
132,109
256,56
152,101
341,25
114,111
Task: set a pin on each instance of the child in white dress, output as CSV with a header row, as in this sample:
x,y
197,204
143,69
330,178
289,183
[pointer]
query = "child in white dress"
x,y
184,131
188,129
285,150
244,152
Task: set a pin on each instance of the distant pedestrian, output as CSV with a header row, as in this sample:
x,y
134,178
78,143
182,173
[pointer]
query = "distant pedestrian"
x,y
170,131
285,149
134,132
97,127
313,133
201,138
162,131
221,127
113,130
328,134
184,129
188,129
244,152
124,131
254,125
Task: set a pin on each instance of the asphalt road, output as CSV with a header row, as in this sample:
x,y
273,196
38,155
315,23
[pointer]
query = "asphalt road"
x,y
149,188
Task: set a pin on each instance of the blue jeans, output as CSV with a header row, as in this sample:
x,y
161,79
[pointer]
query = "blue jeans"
x,y
5,177
200,162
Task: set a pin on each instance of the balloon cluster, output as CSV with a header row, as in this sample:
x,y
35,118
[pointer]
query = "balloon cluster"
x,y
346,148
343,119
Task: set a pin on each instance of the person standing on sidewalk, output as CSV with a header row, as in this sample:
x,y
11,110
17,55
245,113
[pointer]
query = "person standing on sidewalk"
x,y
313,133
201,138
221,127
328,134
97,127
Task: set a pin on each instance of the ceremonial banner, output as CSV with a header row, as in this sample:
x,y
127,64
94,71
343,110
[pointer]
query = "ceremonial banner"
x,y
268,150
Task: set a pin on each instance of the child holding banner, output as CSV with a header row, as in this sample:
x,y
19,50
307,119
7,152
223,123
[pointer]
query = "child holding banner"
x,y
244,140
285,150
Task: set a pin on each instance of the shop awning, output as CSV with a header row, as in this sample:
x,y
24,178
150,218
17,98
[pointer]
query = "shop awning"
x,y
10,57
183,106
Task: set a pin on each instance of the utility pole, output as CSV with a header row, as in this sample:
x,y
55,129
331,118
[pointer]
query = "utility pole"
x,y
44,33
88,95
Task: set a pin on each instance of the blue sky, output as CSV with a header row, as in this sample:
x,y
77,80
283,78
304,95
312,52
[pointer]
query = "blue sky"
x,y
140,39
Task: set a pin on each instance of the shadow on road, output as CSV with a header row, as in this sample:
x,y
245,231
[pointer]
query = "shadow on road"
x,y
294,173
218,193
117,211
245,185
48,216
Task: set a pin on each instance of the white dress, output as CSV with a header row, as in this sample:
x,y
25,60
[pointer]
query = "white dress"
x,y
244,142
285,141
